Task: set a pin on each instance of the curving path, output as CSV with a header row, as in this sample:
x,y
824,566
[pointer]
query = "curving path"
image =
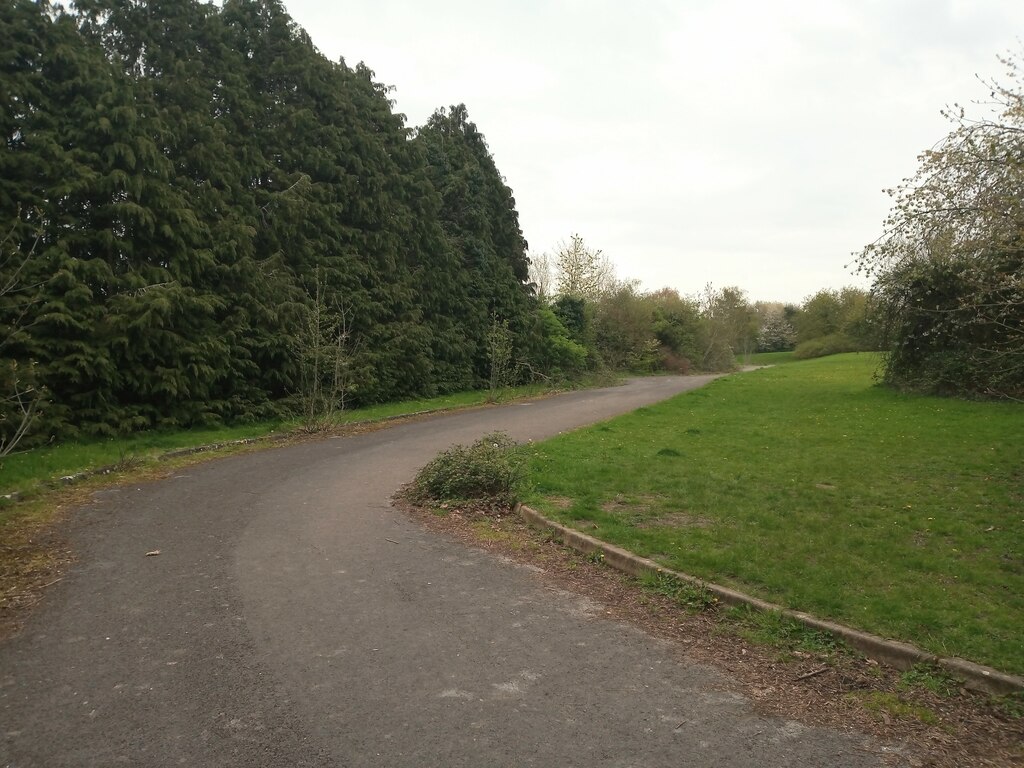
x,y
294,619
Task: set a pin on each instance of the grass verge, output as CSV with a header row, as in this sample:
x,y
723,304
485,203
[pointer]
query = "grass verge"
x,y
30,471
807,485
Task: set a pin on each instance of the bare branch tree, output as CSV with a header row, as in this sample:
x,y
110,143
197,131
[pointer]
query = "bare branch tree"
x,y
542,274
324,349
19,403
24,401
500,351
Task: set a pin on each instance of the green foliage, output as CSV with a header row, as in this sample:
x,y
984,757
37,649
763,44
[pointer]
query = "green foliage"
x,y
620,327
571,312
500,355
20,405
488,272
831,322
678,328
553,351
956,328
21,397
322,348
182,172
832,344
948,268
729,327
582,272
623,330
489,471
844,313
677,324
187,169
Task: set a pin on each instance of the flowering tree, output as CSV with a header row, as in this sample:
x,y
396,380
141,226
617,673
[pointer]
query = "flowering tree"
x,y
581,271
949,269
775,332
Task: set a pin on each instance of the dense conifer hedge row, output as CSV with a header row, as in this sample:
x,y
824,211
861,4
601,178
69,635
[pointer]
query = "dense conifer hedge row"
x,y
178,181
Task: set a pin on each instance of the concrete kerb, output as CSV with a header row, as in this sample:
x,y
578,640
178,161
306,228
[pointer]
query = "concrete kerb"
x,y
890,652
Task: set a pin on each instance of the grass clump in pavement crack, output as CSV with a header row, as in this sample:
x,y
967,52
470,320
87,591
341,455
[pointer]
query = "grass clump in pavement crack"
x,y
885,703
693,598
808,485
929,677
766,628
786,635
1010,707
488,472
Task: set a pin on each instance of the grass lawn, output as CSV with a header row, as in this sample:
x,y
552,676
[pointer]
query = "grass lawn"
x,y
766,358
807,485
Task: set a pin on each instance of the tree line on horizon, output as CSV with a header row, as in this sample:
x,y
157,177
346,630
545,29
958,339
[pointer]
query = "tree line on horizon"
x,y
618,324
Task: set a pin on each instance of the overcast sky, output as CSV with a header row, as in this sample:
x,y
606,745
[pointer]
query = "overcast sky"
x,y
736,142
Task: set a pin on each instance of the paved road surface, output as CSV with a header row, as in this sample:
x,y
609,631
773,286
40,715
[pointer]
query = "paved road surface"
x,y
281,625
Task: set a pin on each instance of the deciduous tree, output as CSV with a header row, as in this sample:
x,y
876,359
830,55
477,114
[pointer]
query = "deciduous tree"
x,y
582,271
730,326
949,268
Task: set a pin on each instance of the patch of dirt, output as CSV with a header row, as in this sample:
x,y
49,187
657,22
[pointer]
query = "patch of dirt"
x,y
677,520
559,502
33,556
968,729
641,508
620,504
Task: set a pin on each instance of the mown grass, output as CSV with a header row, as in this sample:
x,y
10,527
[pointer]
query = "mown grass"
x,y
28,471
807,485
766,358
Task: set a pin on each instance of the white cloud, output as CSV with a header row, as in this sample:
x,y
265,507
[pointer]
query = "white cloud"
x,y
734,142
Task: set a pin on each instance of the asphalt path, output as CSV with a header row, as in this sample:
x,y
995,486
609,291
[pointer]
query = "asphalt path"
x,y
293,618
